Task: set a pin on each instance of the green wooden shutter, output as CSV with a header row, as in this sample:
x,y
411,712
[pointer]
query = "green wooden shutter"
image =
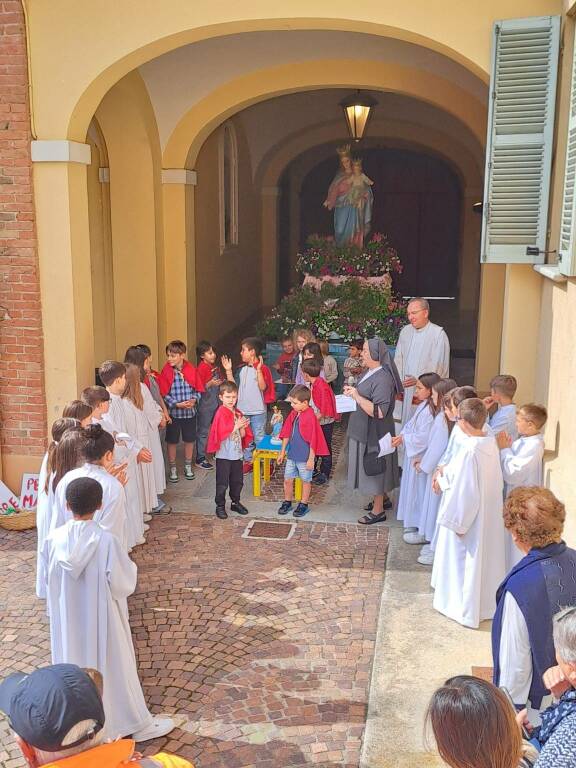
x,y
520,136
566,256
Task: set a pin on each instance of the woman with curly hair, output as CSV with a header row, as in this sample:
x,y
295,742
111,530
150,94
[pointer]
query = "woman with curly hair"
x,y
541,584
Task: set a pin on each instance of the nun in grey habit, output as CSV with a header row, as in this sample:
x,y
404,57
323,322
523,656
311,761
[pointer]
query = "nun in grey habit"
x,y
375,397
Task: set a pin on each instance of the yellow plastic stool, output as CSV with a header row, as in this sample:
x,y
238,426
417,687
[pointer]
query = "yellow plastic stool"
x,y
262,457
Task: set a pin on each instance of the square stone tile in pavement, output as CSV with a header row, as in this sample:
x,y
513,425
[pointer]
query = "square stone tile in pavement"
x,y
263,649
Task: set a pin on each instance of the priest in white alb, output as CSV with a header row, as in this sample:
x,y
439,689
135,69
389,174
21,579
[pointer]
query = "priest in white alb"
x,y
90,576
422,347
470,555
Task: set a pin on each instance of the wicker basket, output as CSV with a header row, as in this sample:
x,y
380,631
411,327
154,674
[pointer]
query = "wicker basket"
x,y
21,521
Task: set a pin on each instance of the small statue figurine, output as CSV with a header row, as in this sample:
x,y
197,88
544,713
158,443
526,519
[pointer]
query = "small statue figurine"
x,y
277,420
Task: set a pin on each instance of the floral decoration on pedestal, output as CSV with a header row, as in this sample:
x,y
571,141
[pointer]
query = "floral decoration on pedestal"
x,y
346,293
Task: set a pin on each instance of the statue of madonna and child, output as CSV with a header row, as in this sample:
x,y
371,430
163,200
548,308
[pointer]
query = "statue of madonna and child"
x,y
350,197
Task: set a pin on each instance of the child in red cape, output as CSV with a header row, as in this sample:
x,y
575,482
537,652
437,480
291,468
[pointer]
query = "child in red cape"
x,y
181,388
211,376
255,391
229,434
302,440
324,406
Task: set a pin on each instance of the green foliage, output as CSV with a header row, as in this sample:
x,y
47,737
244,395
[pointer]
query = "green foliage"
x,y
349,310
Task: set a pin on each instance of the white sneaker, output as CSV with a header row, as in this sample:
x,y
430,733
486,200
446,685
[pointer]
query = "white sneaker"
x,y
426,549
413,537
147,518
410,529
427,558
160,726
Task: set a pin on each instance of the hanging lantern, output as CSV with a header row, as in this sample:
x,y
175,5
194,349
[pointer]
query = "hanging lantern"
x,y
357,110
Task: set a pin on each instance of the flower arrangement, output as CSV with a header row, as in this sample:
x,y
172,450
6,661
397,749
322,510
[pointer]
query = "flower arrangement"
x,y
323,258
347,310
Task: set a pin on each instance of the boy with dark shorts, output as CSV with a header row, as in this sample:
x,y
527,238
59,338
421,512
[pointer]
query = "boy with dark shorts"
x,y
181,388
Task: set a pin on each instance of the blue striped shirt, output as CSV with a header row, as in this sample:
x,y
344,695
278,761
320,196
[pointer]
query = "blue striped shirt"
x,y
180,391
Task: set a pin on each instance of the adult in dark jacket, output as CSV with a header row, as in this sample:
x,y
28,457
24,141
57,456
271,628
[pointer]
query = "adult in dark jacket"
x,y
375,396
541,584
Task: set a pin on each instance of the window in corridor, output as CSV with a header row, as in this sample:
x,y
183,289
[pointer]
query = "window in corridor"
x,y
228,187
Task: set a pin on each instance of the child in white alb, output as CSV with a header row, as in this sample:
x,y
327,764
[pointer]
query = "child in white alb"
x,y
90,576
129,451
414,438
45,505
502,391
470,555
425,465
521,459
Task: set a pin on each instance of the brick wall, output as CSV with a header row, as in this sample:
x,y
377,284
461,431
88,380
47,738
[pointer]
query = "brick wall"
x,y
22,402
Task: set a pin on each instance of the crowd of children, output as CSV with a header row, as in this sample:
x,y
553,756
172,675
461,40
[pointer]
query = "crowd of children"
x,y
460,464
106,468
105,472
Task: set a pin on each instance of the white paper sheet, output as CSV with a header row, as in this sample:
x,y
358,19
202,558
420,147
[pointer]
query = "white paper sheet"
x,y
385,444
345,404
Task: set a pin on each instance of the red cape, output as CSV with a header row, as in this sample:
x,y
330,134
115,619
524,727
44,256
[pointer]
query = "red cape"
x,y
205,371
309,429
222,427
154,374
270,391
324,399
166,378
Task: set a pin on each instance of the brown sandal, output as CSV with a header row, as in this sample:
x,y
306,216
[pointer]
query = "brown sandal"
x,y
371,518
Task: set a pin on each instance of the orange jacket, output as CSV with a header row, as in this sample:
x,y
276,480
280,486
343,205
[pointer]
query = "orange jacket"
x,y
119,754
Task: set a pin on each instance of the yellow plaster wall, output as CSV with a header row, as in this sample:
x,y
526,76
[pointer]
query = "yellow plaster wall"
x,y
490,317
555,375
555,385
228,283
64,50
207,114
101,267
127,122
61,201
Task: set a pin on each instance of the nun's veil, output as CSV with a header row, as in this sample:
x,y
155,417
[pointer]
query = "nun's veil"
x,y
379,351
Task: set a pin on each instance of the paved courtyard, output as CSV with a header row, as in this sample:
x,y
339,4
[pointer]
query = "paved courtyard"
x,y
262,648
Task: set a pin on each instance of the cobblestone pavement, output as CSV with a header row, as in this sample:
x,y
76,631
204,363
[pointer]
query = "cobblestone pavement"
x,y
263,649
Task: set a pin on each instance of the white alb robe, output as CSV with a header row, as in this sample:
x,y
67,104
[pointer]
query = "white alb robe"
x,y
42,526
416,434
521,465
437,444
522,462
114,422
111,516
154,415
89,578
418,351
504,420
137,425
470,555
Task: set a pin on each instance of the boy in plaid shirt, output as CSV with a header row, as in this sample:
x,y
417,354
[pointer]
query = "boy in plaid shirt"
x,y
181,388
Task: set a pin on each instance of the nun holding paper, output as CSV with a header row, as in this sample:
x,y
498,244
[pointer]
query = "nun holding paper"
x,y
375,397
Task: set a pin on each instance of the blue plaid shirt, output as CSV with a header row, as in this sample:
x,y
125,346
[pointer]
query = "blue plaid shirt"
x,y
180,391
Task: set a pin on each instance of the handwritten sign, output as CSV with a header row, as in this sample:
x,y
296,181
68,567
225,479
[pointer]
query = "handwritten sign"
x,y
8,500
29,491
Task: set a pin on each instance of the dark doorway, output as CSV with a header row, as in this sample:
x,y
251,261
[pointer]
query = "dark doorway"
x,y
417,204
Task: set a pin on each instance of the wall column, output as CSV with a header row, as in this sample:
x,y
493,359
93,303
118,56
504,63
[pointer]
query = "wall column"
x,y
179,278
61,197
470,252
490,319
521,327
269,261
